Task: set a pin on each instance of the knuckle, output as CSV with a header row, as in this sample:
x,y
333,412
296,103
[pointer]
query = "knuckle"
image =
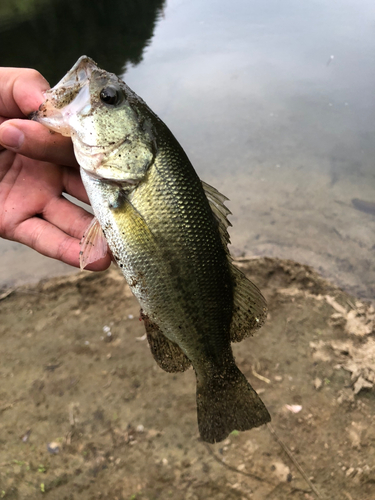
x,y
63,248
36,235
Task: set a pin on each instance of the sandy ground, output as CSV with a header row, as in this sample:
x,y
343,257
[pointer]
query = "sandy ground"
x,y
85,413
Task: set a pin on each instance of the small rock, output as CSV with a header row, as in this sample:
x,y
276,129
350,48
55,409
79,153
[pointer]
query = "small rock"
x,y
362,383
53,448
349,472
281,471
26,436
294,408
152,433
318,383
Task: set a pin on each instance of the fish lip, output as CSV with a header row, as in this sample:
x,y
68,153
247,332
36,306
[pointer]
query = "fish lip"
x,y
80,72
78,75
72,85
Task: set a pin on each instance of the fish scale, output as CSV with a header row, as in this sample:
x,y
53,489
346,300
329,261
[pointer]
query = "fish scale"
x,y
167,231
205,285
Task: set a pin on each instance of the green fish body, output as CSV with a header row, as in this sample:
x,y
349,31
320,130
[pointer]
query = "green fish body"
x,y
167,231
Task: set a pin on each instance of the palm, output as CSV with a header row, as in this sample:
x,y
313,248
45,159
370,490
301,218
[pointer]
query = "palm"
x,y
33,210
34,174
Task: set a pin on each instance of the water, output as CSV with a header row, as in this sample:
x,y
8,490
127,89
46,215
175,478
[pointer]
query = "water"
x,y
273,102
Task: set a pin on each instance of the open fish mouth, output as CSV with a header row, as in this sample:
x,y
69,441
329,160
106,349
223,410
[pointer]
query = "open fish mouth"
x,y
71,95
78,74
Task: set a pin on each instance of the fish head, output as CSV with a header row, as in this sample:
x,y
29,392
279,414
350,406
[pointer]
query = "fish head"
x,y
110,127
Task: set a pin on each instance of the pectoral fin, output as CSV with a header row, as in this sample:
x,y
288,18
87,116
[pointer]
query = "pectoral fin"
x,y
93,244
167,354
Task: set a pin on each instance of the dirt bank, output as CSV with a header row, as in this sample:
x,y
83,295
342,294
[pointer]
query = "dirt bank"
x,y
85,413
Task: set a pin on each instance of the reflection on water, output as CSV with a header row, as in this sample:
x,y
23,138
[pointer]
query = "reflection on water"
x,y
272,101
113,33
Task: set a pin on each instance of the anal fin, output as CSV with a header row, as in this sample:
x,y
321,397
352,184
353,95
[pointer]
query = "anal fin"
x,y
167,354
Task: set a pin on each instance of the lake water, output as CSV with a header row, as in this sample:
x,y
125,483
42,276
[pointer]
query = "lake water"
x,y
273,102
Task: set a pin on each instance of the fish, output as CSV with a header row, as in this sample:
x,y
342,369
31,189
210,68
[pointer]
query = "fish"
x,y
168,232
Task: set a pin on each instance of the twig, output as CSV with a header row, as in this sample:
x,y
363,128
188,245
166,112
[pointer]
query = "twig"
x,y
257,375
9,405
6,407
6,294
248,474
294,461
350,304
243,259
234,469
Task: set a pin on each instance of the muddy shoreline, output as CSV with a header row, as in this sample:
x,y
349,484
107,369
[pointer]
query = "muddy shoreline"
x,y
85,413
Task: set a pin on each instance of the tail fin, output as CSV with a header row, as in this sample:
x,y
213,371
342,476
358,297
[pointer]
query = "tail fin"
x,y
227,402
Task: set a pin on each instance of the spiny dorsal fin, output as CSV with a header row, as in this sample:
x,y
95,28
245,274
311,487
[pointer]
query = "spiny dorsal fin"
x,y
93,244
249,306
220,211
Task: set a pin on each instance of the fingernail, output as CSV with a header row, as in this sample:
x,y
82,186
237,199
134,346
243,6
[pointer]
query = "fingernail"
x,y
11,137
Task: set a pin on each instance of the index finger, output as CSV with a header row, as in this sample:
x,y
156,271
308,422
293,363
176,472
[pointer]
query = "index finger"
x,y
21,91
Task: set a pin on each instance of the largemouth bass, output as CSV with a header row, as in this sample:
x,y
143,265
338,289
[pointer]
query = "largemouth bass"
x,y
167,231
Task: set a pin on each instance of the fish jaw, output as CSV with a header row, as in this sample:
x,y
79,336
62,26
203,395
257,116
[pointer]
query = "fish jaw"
x,y
110,142
67,98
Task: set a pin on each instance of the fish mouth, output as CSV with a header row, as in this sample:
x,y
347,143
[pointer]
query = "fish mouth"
x,y
71,95
78,74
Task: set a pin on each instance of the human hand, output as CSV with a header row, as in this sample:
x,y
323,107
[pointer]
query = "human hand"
x,y
36,168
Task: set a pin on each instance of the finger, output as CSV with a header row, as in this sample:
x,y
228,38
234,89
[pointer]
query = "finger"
x,y
21,91
72,184
33,140
49,240
2,120
70,218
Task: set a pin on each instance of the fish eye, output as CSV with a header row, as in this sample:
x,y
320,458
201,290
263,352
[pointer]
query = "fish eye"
x,y
110,95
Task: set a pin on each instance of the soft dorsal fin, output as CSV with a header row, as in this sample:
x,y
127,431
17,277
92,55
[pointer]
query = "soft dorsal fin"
x,y
93,244
249,305
220,211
